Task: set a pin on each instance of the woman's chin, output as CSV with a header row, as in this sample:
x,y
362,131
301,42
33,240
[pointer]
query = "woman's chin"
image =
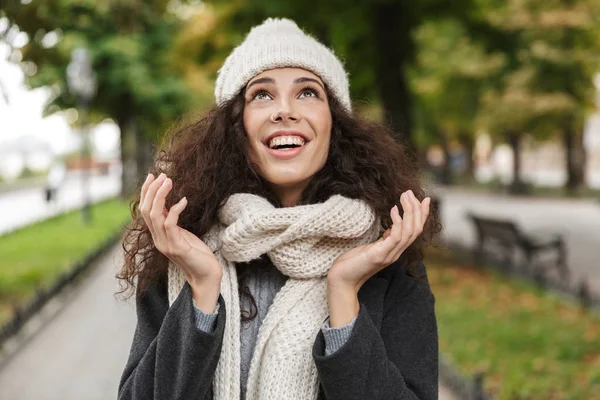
x,y
286,181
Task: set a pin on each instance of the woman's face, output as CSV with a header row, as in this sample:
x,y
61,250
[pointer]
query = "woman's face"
x,y
288,123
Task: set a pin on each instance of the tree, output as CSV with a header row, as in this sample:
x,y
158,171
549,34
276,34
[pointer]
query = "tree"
x,y
514,109
447,79
130,45
552,59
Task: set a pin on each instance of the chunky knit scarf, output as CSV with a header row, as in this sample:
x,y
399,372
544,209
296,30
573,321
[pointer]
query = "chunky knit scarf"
x,y
302,242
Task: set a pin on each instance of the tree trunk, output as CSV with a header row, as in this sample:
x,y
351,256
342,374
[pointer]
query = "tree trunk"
x,y
143,153
394,49
468,143
573,141
575,157
128,159
446,173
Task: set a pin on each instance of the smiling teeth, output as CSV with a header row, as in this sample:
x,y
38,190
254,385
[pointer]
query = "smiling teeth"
x,y
283,140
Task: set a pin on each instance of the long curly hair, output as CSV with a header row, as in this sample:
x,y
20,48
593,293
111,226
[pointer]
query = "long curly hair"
x,y
208,160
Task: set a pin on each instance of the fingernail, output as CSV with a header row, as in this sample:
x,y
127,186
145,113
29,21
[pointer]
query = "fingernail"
x,y
162,175
411,194
148,178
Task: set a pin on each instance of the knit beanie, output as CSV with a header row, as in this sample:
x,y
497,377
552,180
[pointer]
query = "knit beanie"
x,y
278,43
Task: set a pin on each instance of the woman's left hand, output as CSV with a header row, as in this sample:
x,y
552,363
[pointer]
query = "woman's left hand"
x,y
356,266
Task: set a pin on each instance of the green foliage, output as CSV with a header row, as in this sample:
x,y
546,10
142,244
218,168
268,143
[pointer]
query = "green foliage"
x,y
529,344
33,256
447,78
551,49
130,44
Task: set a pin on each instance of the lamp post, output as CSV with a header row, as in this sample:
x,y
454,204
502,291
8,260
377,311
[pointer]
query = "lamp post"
x,y
81,80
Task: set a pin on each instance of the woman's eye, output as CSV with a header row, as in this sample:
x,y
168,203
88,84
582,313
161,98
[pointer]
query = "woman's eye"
x,y
258,95
310,91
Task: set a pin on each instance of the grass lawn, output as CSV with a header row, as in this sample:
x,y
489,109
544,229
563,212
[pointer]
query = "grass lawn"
x,y
529,344
37,254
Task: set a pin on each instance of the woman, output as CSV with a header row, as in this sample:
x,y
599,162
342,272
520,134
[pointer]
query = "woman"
x,y
268,251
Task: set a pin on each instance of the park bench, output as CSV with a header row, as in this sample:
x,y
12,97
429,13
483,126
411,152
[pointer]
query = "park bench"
x,y
504,236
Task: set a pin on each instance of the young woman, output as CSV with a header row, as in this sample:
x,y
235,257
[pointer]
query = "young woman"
x,y
276,247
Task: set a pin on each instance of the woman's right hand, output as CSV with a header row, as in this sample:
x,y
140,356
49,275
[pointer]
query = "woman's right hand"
x,y
197,261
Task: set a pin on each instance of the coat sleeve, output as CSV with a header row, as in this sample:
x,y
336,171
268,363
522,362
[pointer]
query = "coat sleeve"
x,y
399,362
170,357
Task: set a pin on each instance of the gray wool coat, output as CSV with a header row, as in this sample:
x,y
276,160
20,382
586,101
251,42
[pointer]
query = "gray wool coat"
x,y
392,352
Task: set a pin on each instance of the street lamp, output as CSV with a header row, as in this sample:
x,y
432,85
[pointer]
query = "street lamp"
x,y
81,80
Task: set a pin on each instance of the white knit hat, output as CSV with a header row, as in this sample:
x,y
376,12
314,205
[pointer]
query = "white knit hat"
x,y
278,43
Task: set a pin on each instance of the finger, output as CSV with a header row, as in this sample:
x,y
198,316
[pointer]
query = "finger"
x,y
386,233
397,225
151,192
157,213
147,182
390,243
421,211
408,217
149,199
171,229
418,216
400,243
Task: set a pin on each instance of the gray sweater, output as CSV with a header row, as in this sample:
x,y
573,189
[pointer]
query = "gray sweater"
x,y
264,285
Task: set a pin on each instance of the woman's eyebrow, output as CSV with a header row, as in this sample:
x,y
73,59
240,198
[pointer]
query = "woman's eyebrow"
x,y
306,79
271,80
260,80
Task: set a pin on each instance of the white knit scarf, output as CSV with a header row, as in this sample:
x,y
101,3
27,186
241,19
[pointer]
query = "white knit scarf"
x,y
302,242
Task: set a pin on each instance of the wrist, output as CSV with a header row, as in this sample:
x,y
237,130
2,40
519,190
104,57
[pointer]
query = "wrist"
x,y
206,294
343,304
341,285
205,279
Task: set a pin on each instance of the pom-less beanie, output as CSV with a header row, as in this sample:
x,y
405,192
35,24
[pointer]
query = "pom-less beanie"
x,y
279,43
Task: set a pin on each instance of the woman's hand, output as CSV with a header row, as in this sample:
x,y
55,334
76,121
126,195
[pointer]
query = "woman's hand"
x,y
356,266
197,261
353,268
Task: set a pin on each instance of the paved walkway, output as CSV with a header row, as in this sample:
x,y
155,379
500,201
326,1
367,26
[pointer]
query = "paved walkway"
x,y
578,220
80,354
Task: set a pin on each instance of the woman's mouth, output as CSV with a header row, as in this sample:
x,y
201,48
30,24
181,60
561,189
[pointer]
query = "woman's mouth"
x,y
286,147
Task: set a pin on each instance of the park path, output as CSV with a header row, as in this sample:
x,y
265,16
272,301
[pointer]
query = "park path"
x,y
81,352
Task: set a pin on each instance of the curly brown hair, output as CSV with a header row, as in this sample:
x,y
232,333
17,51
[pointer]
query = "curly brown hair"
x,y
208,160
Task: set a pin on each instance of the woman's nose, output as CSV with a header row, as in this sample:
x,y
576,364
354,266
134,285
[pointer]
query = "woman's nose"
x,y
286,113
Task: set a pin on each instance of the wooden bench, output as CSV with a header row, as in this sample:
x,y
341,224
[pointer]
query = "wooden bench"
x,y
505,236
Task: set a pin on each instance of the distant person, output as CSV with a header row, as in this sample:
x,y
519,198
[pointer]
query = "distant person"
x,y
293,266
55,179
